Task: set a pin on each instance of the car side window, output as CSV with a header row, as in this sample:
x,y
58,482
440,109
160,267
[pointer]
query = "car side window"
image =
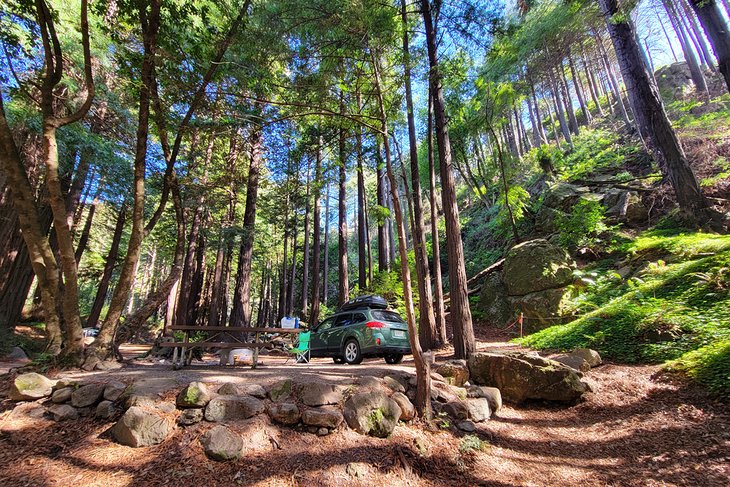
x,y
358,318
343,320
325,325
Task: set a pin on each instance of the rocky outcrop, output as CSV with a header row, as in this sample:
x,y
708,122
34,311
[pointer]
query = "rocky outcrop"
x,y
29,387
533,281
373,414
521,376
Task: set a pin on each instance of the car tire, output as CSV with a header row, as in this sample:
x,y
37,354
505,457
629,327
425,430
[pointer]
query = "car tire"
x,y
394,358
338,360
352,353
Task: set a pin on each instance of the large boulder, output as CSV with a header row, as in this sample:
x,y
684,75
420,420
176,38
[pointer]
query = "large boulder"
x,y
674,80
320,393
541,309
455,372
493,301
140,427
222,444
232,408
521,376
231,389
372,414
194,395
114,390
536,265
324,417
562,196
479,409
105,410
29,387
573,361
87,395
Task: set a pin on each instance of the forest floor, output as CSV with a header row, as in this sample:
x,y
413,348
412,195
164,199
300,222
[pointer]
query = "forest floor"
x,y
638,428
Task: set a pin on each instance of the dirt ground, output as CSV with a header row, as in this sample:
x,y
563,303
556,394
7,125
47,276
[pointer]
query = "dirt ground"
x,y
635,429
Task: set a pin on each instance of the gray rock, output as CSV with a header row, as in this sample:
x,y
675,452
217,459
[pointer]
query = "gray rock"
x,y
320,394
281,390
17,354
323,432
407,409
369,382
231,389
590,356
491,394
65,382
536,265
63,412
466,426
29,387
62,395
190,417
114,390
286,413
87,395
194,395
373,414
222,444
520,376
393,384
323,417
231,408
478,409
139,427
541,309
105,410
573,361
455,372
493,302
456,409
147,392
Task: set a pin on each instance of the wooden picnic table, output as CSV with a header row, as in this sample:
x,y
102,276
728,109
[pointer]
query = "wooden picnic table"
x,y
179,361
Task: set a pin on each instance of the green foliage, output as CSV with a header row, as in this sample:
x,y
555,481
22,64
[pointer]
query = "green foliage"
x,y
582,227
593,150
709,366
471,443
675,304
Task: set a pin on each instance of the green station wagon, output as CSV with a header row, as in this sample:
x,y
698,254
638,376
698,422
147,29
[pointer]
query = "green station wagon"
x,y
349,336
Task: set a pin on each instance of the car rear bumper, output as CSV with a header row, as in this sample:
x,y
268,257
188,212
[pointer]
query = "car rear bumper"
x,y
379,351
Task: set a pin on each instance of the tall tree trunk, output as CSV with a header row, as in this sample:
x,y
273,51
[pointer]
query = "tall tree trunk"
x,y
362,263
305,249
697,35
326,263
612,79
293,272
383,253
654,125
461,320
716,29
567,99
440,313
283,288
343,288
422,364
590,79
689,56
579,91
427,332
564,128
314,314
241,313
86,232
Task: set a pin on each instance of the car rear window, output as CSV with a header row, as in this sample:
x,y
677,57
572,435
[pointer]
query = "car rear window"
x,y
385,315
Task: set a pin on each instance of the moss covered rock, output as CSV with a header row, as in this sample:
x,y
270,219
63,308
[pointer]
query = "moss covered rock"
x,y
536,265
372,413
29,387
195,395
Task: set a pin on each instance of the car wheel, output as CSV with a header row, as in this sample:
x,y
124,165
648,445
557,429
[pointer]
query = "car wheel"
x,y
394,358
338,360
352,352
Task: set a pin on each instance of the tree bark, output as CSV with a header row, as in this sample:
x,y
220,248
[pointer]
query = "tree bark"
x,y
461,319
422,364
689,56
305,250
440,313
652,120
342,271
716,29
362,262
241,313
314,314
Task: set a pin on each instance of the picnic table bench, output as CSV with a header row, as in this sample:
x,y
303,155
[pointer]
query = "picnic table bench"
x,y
182,348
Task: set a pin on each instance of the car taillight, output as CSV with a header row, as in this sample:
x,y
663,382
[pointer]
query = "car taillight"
x,y
375,324
377,341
